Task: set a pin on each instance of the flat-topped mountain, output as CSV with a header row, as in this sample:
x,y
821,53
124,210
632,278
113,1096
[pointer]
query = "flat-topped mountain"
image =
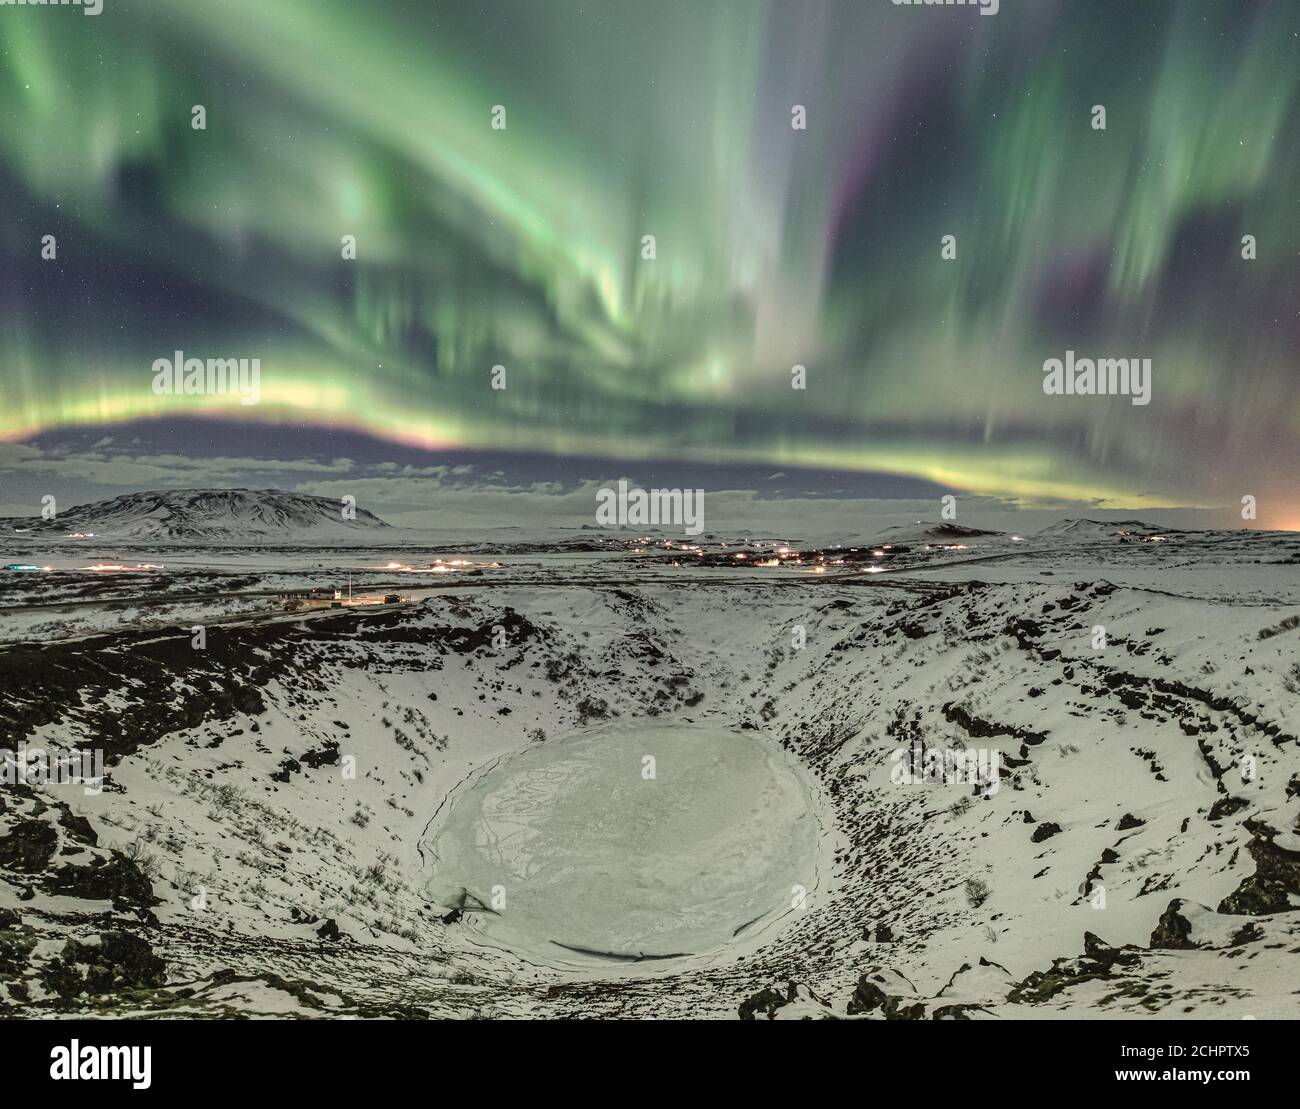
x,y
207,514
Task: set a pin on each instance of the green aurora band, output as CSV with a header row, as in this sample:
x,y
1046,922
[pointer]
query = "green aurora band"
x,y
774,246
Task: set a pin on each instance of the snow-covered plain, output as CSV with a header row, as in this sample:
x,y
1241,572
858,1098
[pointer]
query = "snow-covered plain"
x,y
264,840
629,842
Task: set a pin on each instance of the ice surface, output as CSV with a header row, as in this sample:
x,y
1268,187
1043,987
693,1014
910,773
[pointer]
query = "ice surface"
x,y
594,856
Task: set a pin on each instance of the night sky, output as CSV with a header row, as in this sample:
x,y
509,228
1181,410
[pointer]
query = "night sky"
x,y
774,246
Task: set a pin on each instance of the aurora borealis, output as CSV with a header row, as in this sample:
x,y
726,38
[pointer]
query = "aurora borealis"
x,y
774,246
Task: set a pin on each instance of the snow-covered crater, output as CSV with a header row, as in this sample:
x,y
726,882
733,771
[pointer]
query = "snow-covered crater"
x,y
628,842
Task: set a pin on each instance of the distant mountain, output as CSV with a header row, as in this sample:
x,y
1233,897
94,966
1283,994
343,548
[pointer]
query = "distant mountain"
x,y
1082,528
217,515
924,532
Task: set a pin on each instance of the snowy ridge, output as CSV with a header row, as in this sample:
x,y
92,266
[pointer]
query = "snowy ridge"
x,y
1082,528
1138,857
210,515
940,533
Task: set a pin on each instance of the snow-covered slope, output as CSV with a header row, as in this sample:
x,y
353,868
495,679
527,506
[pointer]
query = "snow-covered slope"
x,y
1083,529
942,534
264,844
208,515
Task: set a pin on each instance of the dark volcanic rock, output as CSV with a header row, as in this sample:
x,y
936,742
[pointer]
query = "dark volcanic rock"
x,y
120,961
867,997
1045,831
1104,956
1226,806
871,995
979,728
78,828
1256,896
116,879
1173,931
770,999
29,846
1272,861
767,1001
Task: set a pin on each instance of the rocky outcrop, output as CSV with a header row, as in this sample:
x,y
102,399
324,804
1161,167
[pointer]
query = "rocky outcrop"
x,y
1276,881
29,846
1256,896
1173,931
1045,831
888,995
1100,961
797,1002
115,962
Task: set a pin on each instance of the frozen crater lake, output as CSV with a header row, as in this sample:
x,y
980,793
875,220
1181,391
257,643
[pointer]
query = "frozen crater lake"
x,y
628,841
